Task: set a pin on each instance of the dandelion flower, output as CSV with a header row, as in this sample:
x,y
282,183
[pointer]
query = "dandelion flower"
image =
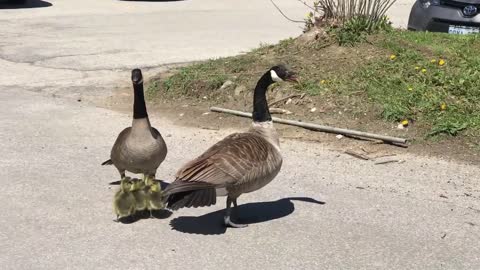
x,y
443,106
424,70
393,56
405,122
417,68
441,62
410,88
433,61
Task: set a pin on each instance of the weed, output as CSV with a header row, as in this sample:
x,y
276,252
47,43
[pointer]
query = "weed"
x,y
430,79
311,87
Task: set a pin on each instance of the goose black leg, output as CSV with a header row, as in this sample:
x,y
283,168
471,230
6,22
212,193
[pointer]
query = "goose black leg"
x,y
122,176
235,206
228,213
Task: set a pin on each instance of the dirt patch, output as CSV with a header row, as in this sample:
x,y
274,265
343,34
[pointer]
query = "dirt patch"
x,y
323,96
195,113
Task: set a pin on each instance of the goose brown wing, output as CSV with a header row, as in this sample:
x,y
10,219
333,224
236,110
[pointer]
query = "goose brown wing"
x,y
228,161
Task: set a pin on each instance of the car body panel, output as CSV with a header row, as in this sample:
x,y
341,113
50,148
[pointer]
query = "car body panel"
x,y
439,18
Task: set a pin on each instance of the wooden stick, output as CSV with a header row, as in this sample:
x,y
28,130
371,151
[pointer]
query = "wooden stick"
x,y
279,111
282,99
357,155
318,127
386,161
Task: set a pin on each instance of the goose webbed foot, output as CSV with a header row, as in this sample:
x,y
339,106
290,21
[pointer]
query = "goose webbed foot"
x,y
230,223
227,219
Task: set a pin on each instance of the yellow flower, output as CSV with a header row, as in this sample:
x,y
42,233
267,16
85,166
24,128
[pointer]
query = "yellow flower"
x,y
433,61
410,88
405,122
443,106
393,56
424,70
323,81
441,62
417,68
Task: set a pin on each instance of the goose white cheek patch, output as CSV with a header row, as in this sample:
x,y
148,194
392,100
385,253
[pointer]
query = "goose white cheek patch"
x,y
275,77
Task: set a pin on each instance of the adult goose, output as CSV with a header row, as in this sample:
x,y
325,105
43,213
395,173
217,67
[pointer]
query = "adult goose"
x,y
139,148
240,163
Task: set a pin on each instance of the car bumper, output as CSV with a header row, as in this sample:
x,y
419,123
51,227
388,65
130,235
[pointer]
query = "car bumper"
x,y
439,18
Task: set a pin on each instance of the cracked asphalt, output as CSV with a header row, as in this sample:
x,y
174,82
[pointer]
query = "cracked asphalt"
x,y
325,210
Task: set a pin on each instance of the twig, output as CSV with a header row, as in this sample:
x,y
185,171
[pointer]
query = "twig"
x,y
209,128
279,10
386,161
279,111
346,132
357,155
282,99
307,5
385,155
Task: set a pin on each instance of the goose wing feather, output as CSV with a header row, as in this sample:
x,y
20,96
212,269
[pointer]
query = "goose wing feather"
x,y
229,161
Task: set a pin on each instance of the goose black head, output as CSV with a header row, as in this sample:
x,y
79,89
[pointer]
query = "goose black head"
x,y
137,77
281,73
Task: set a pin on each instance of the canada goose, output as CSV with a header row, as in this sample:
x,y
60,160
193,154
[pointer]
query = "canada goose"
x,y
139,148
240,163
154,198
138,191
124,201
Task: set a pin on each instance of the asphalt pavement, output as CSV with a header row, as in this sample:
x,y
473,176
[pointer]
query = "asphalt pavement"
x,y
325,210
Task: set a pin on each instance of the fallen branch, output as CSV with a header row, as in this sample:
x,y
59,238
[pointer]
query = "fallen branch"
x,y
386,161
282,99
347,132
279,111
385,155
357,155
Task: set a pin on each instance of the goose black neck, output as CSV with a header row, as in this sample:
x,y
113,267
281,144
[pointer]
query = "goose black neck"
x,y
260,105
139,108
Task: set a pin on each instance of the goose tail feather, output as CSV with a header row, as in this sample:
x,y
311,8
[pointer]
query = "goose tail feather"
x,y
107,162
189,194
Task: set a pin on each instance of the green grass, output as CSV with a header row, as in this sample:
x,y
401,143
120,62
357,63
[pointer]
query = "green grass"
x,y
192,79
414,85
442,99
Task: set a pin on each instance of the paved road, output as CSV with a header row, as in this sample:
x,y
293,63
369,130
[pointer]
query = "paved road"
x,y
422,214
57,46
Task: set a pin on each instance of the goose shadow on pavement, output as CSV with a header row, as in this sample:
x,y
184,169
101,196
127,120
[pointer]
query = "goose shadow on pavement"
x,y
27,4
163,183
249,213
151,0
157,214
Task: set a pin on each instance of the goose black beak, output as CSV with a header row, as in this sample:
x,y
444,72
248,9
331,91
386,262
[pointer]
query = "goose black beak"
x,y
292,78
137,77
